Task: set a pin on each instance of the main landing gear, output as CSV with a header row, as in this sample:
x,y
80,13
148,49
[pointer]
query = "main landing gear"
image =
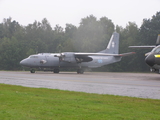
x,y
80,71
56,70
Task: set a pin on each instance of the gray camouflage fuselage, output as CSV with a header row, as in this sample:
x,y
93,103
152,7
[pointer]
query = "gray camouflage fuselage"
x,y
48,60
76,60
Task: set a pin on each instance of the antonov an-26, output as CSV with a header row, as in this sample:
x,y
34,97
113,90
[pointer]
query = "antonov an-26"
x,y
80,61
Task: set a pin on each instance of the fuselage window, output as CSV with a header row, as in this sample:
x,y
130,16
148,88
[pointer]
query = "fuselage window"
x,y
33,57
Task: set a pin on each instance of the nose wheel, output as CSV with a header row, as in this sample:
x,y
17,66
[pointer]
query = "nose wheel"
x,y
152,70
32,70
80,71
155,70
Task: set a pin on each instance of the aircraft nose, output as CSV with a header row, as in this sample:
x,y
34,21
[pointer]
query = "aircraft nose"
x,y
150,59
24,62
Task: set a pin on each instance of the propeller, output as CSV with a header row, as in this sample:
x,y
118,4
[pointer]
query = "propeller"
x,y
60,56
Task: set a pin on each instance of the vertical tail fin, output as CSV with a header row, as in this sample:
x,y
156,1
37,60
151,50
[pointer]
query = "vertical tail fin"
x,y
113,45
158,40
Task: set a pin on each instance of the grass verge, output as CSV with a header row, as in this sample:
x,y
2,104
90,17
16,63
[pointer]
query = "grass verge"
x,y
22,103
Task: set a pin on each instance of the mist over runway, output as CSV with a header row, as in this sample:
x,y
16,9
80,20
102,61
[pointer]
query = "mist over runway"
x,y
142,85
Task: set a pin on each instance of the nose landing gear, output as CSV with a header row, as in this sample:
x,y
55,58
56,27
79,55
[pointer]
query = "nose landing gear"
x,y
152,70
155,70
32,70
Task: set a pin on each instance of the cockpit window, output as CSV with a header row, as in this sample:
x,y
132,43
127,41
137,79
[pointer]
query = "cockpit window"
x,y
33,56
156,50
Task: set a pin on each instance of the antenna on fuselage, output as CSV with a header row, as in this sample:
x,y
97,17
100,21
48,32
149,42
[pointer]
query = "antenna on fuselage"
x,y
59,48
36,49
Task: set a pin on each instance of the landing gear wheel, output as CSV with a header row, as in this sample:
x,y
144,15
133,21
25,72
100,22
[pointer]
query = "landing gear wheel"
x,y
32,71
152,70
80,71
56,71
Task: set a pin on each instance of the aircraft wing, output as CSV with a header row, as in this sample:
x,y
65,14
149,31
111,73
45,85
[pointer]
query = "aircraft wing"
x,y
86,57
151,46
102,54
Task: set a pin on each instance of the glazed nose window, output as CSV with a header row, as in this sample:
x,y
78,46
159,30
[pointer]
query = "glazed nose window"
x,y
157,50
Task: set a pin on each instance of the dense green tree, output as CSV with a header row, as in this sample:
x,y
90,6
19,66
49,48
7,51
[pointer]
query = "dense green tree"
x,y
59,39
92,35
11,52
68,44
150,29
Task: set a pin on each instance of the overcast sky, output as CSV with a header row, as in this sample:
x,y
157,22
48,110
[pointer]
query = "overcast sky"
x,y
72,11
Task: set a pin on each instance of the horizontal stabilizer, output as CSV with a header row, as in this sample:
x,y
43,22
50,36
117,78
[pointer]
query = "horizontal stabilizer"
x,y
102,54
127,54
150,46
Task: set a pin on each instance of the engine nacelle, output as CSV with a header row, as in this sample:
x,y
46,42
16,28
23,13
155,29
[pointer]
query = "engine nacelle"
x,y
68,57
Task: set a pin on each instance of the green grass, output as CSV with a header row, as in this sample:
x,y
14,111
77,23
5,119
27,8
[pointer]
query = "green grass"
x,y
22,103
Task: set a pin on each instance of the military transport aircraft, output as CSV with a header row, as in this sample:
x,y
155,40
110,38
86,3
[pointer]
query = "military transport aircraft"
x,y
55,61
152,58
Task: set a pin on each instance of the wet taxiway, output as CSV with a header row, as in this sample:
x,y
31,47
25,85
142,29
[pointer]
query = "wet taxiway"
x,y
143,85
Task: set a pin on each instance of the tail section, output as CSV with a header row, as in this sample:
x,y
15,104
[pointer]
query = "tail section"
x,y
113,45
158,40
148,46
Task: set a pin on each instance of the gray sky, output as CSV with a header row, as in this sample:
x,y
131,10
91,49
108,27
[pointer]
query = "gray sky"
x,y
72,11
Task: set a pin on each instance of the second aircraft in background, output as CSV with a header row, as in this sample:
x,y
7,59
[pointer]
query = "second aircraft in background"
x,y
152,58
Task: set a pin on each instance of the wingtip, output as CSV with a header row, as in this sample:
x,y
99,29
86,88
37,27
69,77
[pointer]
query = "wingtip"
x,y
127,54
134,52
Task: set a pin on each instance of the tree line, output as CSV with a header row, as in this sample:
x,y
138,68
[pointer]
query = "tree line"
x,y
92,35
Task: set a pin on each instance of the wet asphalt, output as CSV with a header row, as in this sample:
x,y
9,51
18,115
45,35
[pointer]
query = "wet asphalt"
x,y
142,85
